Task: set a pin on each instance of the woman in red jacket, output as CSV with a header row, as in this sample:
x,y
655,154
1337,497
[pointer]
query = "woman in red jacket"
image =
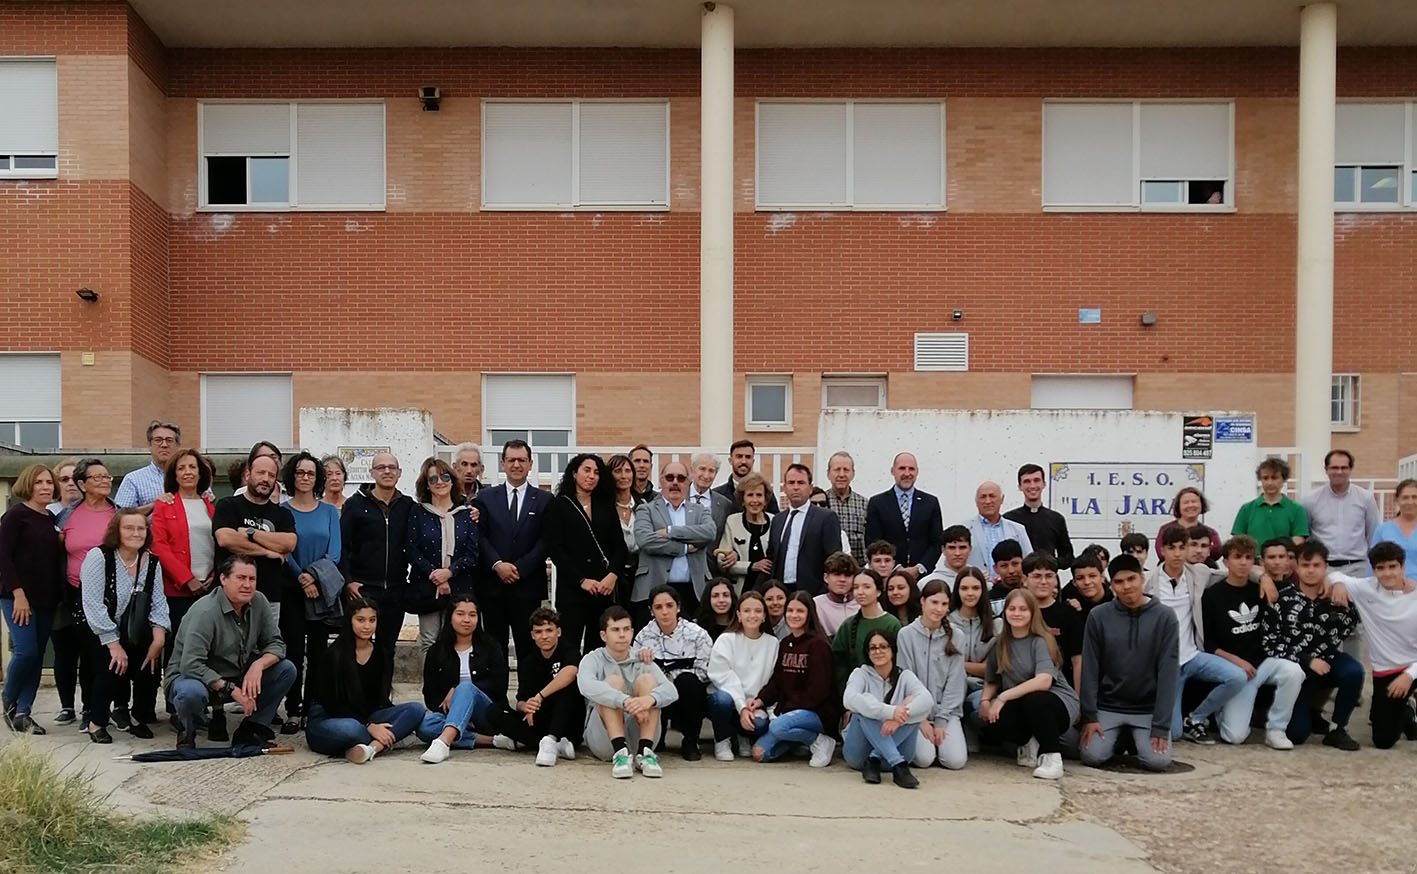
x,y
182,536
802,690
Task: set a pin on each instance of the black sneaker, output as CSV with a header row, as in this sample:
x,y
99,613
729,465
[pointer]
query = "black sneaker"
x,y
9,711
871,770
22,723
1409,728
216,729
1195,733
83,721
100,735
65,716
690,750
902,777
1320,725
121,718
248,732
141,730
1339,739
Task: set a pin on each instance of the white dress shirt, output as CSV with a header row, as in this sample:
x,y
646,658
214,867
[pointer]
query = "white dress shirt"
x,y
794,540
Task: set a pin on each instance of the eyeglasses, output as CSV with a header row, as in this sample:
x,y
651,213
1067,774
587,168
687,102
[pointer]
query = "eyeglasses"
x,y
385,468
439,478
163,441
310,474
878,647
675,478
98,478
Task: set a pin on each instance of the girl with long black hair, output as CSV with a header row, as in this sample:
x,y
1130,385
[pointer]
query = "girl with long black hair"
x,y
584,540
464,682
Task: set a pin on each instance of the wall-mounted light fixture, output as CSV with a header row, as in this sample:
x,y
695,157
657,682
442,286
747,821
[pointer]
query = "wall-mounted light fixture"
x,y
87,294
1148,319
430,96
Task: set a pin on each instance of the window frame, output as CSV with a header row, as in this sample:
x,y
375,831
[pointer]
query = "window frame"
x,y
575,204
774,379
876,381
1406,166
487,427
17,421
850,205
1353,404
292,203
9,171
206,445
1139,181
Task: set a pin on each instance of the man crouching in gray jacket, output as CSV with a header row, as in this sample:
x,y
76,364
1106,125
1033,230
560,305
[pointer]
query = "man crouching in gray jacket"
x,y
617,684
1129,672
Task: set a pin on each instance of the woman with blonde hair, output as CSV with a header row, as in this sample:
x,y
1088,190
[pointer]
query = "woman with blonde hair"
x,y
745,534
1027,701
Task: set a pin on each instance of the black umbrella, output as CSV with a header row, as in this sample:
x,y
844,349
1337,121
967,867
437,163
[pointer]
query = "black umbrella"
x,y
189,754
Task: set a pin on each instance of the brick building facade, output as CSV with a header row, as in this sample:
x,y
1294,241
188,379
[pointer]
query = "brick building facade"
x,y
410,304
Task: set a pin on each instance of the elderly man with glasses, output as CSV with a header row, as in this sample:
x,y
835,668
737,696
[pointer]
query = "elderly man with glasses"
x,y
143,486
674,535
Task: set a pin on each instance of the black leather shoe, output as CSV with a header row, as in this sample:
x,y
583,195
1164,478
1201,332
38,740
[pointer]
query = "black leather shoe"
x,y
140,731
249,732
186,734
691,752
100,735
216,729
871,770
902,777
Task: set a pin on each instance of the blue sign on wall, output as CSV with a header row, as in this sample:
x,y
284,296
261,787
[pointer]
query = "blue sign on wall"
x,y
1234,429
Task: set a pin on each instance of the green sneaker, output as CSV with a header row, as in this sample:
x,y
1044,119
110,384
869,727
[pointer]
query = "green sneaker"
x,y
620,767
648,763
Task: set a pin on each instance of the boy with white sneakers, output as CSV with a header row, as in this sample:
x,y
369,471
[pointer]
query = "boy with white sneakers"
x,y
615,684
550,712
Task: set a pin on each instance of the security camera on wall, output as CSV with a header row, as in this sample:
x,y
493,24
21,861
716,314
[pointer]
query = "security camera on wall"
x,y
430,97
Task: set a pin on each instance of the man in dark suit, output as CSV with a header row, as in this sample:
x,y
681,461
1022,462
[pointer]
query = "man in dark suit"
x,y
513,554
740,462
908,518
800,537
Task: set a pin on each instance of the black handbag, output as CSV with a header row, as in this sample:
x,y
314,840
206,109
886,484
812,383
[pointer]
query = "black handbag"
x,y
135,630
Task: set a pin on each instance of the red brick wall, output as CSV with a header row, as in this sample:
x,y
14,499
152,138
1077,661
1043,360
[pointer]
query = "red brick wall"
x,y
63,28
148,230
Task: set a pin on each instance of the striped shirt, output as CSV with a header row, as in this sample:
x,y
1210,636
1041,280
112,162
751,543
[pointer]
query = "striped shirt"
x,y
851,513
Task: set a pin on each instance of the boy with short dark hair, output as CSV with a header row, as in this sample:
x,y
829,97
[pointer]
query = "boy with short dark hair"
x,y
954,556
549,712
1233,613
1135,544
1088,587
1272,515
1008,570
615,684
835,605
1198,546
1387,603
880,557
1277,558
1041,577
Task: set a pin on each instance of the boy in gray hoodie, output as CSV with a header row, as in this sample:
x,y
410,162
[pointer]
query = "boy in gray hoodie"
x,y
1130,666
615,685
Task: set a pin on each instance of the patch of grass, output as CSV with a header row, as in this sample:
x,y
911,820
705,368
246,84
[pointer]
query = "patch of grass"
x,y
58,822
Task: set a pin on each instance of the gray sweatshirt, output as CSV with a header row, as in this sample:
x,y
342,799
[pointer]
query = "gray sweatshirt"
x,y
1130,662
866,691
598,664
922,652
967,634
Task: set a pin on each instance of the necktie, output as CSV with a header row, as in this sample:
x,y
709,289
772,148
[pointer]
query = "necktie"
x,y
699,499
905,510
786,538
515,507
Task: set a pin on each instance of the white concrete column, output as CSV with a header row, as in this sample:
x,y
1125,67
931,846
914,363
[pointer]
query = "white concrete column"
x,y
716,228
1313,323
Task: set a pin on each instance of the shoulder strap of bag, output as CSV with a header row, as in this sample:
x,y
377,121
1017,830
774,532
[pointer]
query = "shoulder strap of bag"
x,y
580,511
110,583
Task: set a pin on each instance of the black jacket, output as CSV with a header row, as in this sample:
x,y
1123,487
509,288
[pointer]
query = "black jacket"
x,y
373,544
577,553
486,663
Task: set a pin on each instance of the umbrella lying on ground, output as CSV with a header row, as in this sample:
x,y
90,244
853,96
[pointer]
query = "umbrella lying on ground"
x,y
237,751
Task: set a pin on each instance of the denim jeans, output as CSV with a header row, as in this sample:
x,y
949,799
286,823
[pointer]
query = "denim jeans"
x,y
727,719
27,643
331,736
863,737
190,696
1209,668
469,706
794,728
1285,676
1344,673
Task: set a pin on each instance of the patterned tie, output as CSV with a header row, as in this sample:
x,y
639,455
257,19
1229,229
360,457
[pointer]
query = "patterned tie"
x,y
905,510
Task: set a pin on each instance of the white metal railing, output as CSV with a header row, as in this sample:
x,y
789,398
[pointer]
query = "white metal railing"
x,y
1382,488
1407,467
771,461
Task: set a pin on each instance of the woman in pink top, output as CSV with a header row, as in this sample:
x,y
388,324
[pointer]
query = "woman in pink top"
x,y
82,528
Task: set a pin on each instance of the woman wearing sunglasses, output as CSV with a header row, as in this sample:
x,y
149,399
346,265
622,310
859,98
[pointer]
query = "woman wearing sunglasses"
x,y
442,548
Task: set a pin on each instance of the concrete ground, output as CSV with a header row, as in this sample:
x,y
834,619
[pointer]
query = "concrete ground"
x,y
1240,810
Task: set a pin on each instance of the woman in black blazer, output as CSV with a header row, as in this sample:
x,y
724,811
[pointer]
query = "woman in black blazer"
x,y
583,538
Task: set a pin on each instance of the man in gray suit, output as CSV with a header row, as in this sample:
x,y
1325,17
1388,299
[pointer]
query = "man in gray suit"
x,y
675,536
703,472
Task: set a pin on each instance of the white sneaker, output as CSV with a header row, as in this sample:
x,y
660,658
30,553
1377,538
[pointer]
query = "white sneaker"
x,y
546,752
1278,740
1028,754
437,752
647,763
621,768
360,753
822,749
723,750
1050,766
566,750
502,742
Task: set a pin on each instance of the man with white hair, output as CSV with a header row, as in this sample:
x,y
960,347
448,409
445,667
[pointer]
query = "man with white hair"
x,y
703,469
848,504
470,467
987,529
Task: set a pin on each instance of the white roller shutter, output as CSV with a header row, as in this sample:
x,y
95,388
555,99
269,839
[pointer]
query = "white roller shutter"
x,y
1087,154
246,128
1370,133
1185,141
802,154
30,388
528,400
526,154
898,154
239,409
624,153
339,154
29,107
1070,392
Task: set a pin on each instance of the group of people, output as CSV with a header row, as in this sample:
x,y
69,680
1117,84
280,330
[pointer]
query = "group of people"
x,y
830,621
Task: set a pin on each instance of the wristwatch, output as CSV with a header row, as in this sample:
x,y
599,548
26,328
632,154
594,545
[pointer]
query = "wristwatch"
x,y
251,534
